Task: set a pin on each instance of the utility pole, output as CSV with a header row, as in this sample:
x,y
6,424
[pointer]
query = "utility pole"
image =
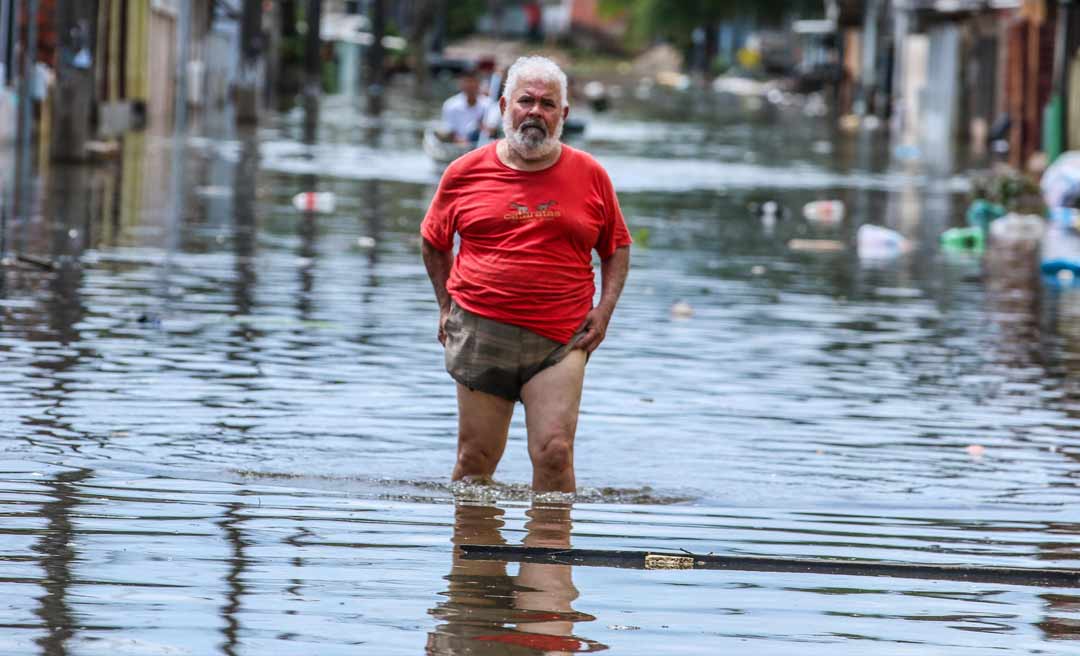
x,y
312,48
376,57
251,48
6,59
25,138
74,79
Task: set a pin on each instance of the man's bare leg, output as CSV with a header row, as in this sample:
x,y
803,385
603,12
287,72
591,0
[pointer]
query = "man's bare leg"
x,y
552,398
483,424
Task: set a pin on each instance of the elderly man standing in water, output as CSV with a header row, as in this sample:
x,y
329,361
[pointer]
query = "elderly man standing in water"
x,y
516,313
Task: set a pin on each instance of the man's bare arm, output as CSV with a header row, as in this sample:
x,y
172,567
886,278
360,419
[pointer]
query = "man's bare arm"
x,y
438,265
613,272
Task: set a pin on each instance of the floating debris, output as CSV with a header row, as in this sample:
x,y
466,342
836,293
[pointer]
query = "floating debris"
x,y
662,561
681,310
875,242
824,212
963,239
315,201
817,245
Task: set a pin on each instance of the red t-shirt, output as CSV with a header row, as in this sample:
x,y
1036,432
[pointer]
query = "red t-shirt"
x,y
526,237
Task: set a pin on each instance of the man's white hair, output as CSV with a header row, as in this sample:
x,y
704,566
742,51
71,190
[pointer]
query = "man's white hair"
x,y
535,69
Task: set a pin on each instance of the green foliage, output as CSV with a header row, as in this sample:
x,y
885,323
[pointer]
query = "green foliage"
x,y
461,21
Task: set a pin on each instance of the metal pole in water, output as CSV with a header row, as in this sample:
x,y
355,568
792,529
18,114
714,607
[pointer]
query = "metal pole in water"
x,y
24,161
176,172
1028,576
5,29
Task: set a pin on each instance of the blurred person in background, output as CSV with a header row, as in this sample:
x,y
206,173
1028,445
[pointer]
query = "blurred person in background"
x,y
463,113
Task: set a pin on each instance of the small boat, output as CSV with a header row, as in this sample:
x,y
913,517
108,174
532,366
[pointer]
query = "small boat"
x,y
441,151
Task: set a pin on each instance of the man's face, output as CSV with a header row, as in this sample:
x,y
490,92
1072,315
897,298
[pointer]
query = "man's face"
x,y
533,117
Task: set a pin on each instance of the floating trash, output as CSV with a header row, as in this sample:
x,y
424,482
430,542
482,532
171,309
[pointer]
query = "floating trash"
x,y
663,561
981,213
817,245
681,310
1060,182
963,239
314,201
1065,217
1060,254
875,242
825,212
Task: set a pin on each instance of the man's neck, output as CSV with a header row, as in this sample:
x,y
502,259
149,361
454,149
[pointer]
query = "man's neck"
x,y
514,160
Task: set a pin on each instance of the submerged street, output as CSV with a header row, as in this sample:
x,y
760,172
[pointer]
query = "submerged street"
x,y
226,427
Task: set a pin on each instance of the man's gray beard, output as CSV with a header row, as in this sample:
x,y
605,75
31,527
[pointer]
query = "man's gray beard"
x,y
527,146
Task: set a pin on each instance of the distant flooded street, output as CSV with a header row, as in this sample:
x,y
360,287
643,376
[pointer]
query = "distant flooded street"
x,y
225,426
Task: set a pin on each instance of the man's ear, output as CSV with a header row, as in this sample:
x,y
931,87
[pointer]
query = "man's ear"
x,y
565,112
502,104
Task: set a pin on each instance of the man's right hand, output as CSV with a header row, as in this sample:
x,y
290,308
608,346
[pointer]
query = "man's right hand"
x,y
438,265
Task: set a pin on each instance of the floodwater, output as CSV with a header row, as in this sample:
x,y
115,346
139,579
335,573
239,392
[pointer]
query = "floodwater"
x,y
225,427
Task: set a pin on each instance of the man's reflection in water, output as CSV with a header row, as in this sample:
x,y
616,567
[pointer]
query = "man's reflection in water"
x,y
488,612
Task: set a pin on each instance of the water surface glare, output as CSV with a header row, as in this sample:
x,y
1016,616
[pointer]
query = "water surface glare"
x,y
231,433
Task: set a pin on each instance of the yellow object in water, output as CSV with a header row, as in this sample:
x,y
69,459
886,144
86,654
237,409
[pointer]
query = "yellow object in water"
x,y
659,561
748,58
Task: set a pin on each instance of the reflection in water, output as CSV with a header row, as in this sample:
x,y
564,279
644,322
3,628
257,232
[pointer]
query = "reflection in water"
x,y
306,225
1013,303
1062,620
57,549
245,225
70,228
488,611
238,562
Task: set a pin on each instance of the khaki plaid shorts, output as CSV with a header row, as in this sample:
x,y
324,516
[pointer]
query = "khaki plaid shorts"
x,y
496,358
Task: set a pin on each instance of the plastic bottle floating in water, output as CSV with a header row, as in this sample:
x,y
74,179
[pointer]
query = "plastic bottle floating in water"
x,y
981,213
1065,217
826,212
963,239
314,201
875,242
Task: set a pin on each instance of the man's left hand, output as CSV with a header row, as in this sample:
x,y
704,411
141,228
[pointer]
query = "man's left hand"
x,y
595,327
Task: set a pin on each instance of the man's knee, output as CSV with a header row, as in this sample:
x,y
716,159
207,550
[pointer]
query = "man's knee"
x,y
477,458
555,454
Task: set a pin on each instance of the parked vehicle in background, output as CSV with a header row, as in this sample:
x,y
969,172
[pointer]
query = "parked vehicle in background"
x,y
775,54
817,57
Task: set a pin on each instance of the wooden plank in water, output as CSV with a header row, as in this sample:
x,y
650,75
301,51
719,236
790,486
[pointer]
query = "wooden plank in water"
x,y
1029,576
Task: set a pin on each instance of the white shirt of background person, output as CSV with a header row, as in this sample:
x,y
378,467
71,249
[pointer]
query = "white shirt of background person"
x,y
461,118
